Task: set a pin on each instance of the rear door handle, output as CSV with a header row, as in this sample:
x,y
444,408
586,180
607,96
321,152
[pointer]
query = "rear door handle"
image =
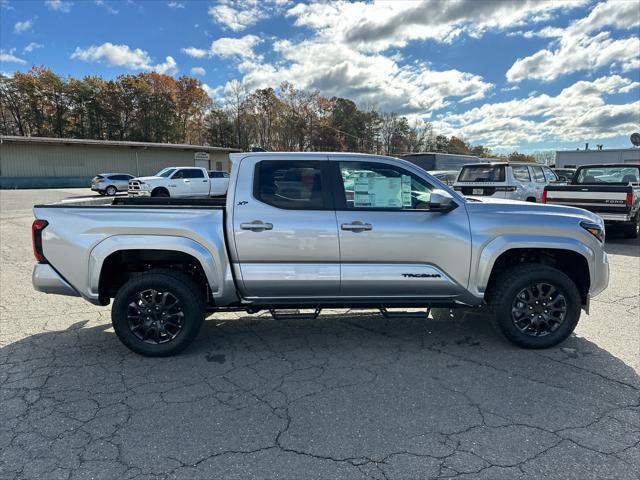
x,y
356,226
256,226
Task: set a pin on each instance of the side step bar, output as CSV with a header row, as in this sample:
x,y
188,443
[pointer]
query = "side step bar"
x,y
294,315
421,315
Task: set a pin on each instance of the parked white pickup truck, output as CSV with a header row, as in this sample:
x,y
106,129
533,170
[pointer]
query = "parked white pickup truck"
x,y
180,182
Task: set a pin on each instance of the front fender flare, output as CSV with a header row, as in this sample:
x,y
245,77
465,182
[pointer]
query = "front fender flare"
x,y
496,247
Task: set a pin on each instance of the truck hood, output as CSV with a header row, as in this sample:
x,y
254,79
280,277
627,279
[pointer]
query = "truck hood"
x,y
149,179
499,205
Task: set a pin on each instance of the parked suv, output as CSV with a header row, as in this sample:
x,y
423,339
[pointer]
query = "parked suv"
x,y
515,181
110,183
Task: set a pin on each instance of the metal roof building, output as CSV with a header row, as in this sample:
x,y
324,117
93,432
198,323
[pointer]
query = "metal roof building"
x,y
40,162
576,158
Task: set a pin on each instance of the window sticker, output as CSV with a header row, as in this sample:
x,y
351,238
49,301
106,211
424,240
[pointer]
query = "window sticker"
x,y
382,192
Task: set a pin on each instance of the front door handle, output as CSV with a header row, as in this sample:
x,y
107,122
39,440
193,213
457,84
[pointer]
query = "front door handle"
x,y
356,226
256,226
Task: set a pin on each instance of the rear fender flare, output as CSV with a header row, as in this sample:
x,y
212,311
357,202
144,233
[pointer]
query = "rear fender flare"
x,y
152,242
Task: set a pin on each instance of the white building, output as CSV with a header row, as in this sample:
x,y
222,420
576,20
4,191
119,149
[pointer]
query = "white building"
x,y
575,158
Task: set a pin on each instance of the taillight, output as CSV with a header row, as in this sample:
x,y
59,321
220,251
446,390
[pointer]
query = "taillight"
x,y
544,196
629,199
36,239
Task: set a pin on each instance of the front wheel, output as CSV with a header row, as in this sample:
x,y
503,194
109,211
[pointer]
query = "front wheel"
x,y
158,313
535,306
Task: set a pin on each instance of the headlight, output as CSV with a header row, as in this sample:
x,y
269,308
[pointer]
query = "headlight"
x,y
594,229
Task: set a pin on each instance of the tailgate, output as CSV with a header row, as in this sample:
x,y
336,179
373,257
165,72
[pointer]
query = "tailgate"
x,y
604,200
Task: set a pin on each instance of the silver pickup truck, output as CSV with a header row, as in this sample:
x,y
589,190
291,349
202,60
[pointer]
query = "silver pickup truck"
x,y
306,231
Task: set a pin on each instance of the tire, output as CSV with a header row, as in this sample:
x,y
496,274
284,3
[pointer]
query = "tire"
x,y
101,192
111,190
545,329
632,229
180,323
160,192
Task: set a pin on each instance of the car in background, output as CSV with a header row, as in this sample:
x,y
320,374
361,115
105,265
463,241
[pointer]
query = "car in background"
x,y
448,177
611,191
514,181
180,182
564,174
110,183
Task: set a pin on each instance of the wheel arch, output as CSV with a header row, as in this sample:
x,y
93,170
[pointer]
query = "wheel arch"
x,y
160,189
567,255
113,261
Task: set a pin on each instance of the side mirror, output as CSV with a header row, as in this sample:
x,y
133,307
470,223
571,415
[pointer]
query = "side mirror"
x,y
441,201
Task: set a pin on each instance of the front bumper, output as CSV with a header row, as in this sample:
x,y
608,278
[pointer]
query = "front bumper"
x,y
45,279
600,279
139,193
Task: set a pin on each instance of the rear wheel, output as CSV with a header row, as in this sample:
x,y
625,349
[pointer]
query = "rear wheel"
x,y
111,190
158,313
535,306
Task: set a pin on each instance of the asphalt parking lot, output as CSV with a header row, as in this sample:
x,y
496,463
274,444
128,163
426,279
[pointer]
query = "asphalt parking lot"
x,y
350,395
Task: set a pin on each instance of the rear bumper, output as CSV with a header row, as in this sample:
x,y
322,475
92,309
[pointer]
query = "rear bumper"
x,y
615,217
96,188
45,279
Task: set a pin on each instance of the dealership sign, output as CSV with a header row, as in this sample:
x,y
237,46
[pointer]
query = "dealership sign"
x,y
201,156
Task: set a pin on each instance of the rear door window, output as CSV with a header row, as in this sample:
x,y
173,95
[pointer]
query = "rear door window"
x,y
521,173
550,175
293,185
482,173
538,174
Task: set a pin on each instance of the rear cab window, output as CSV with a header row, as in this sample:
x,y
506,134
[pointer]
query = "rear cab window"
x,y
608,175
482,173
293,185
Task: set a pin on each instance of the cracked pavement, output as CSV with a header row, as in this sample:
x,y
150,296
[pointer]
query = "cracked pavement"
x,y
350,395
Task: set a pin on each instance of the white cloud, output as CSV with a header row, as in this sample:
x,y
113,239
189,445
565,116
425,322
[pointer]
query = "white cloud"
x,y
195,52
237,15
7,56
235,47
31,47
123,56
213,93
240,14
226,47
5,5
581,46
168,67
198,71
337,70
59,5
20,27
175,5
106,6
577,112
381,25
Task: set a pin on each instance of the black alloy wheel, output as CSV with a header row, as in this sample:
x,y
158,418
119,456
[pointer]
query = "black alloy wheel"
x,y
539,309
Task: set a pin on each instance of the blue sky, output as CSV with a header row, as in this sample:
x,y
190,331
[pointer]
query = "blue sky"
x,y
526,74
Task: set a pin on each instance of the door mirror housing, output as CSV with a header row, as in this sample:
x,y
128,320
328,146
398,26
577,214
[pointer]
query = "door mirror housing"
x,y
441,201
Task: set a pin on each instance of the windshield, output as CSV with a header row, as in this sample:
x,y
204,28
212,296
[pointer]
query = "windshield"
x,y
482,173
165,172
608,175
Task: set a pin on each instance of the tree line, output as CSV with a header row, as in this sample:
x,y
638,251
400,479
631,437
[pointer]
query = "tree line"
x,y
152,107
